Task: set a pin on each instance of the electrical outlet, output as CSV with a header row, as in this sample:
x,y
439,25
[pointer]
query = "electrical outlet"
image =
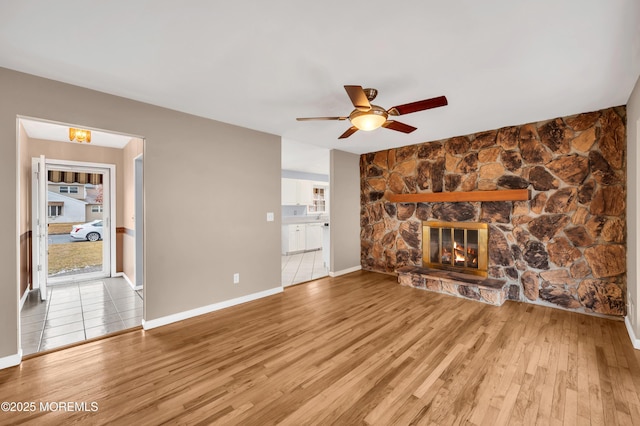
x,y
270,217
236,278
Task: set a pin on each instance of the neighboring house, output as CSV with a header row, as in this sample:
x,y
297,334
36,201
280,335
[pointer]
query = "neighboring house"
x,y
76,190
63,209
94,202
75,202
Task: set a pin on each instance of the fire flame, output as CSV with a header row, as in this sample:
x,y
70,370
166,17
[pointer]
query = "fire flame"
x,y
459,257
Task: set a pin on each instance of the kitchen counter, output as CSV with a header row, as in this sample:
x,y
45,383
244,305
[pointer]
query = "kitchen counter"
x,y
292,220
304,233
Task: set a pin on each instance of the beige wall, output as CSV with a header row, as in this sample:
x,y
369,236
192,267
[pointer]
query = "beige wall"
x,y
633,208
130,152
344,213
237,172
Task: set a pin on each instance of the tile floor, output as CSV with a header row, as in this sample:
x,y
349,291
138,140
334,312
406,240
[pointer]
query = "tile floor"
x,y
300,267
78,311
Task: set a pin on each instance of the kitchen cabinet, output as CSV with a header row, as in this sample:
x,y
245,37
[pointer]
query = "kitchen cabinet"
x,y
297,192
313,239
318,204
305,192
301,237
289,191
293,238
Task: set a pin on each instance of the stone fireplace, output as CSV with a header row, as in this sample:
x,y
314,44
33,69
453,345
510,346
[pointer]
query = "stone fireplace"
x,y
563,245
455,246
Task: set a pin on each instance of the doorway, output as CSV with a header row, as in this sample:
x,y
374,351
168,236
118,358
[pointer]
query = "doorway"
x,y
78,281
72,211
305,212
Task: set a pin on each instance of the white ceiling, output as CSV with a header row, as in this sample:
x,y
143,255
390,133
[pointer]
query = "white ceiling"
x,y
301,157
46,130
262,64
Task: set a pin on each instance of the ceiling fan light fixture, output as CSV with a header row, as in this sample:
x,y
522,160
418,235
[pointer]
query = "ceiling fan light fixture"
x,y
368,117
369,120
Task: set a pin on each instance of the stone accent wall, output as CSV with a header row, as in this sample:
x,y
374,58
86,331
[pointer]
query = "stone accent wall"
x,y
565,246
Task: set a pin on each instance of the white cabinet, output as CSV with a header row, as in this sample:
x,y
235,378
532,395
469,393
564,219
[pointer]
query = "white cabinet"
x,y
301,237
293,238
314,236
305,192
297,192
289,191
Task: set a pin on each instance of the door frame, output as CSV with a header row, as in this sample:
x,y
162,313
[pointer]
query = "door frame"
x,y
112,205
39,266
138,182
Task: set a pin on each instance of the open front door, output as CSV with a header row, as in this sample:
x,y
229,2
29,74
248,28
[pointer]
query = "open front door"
x,y
71,222
39,225
79,240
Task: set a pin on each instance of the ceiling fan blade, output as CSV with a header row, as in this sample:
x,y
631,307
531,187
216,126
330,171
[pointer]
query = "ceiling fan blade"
x,y
358,98
400,127
351,130
440,101
320,118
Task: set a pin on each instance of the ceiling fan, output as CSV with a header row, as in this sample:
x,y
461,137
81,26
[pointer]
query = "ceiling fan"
x,y
366,116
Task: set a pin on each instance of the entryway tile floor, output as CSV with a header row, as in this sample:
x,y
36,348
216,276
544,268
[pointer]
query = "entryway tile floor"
x,y
78,311
301,267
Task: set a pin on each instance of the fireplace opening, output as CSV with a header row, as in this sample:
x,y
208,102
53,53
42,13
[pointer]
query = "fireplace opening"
x,y
455,246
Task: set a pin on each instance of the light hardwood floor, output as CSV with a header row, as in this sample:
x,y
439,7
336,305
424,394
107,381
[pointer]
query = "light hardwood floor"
x,y
358,349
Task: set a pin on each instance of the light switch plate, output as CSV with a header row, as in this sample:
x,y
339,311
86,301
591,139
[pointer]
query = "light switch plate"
x,y
270,217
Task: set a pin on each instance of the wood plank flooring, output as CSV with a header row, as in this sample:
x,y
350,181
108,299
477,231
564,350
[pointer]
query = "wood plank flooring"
x,y
358,349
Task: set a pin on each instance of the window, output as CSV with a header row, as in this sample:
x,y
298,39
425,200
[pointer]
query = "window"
x,y
96,209
55,210
68,189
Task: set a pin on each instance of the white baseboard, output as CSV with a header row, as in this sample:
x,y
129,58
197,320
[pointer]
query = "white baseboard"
x,y
345,271
632,335
24,298
126,278
11,360
148,325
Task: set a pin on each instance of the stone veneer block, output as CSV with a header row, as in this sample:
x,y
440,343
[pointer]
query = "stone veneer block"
x,y
487,290
564,244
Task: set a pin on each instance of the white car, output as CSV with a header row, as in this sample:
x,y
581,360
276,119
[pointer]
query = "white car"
x,y
91,231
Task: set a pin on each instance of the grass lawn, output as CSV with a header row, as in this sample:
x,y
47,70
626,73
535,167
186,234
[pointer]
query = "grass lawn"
x,y
59,228
74,256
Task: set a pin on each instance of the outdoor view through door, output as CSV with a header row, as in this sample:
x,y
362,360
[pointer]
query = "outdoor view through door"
x,y
76,236
74,207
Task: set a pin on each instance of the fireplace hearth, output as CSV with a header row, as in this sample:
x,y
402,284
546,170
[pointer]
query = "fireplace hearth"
x,y
455,246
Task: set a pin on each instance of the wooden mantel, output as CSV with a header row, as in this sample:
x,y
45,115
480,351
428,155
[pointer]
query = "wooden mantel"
x,y
434,197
